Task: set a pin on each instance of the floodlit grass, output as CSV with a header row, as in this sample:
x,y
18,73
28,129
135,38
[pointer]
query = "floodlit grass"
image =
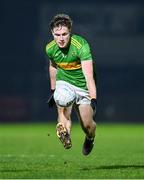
x,y
33,151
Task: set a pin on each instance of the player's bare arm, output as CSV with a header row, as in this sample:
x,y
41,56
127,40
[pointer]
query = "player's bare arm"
x,y
87,67
52,73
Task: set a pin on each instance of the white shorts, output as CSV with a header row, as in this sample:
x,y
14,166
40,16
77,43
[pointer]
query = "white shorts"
x,y
77,95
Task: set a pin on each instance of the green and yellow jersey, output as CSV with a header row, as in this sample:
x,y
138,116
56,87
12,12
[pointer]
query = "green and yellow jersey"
x,y
68,60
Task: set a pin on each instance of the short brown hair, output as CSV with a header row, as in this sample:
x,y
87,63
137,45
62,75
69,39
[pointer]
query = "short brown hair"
x,y
61,20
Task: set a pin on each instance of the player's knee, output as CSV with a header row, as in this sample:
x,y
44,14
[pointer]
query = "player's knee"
x,y
64,96
90,126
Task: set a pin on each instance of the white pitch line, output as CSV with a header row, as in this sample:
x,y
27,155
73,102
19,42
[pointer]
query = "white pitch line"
x,y
26,155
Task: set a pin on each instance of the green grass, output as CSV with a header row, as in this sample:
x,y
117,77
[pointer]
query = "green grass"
x,y
32,151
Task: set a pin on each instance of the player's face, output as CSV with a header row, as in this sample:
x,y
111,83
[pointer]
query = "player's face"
x,y
61,35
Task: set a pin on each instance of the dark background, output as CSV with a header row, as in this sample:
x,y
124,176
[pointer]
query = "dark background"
x,y
115,30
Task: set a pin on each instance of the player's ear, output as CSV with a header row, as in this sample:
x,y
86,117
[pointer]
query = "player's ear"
x,y
52,32
70,30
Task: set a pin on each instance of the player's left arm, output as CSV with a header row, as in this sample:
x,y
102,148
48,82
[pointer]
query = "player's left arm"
x,y
87,68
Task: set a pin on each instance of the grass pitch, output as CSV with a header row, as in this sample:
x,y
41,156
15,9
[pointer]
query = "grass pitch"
x,y
33,151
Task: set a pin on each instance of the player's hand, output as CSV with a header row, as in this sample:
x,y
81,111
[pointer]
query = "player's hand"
x,y
50,100
94,106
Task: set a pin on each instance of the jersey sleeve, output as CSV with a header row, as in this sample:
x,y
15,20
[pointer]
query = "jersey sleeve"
x,y
48,52
85,52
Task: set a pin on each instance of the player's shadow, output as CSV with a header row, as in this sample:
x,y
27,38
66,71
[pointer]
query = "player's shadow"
x,y
113,167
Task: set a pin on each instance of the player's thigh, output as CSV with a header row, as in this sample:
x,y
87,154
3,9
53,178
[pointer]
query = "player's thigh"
x,y
85,113
65,111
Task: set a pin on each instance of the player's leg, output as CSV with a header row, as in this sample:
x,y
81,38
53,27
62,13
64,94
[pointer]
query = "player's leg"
x,y
64,97
64,126
64,117
85,114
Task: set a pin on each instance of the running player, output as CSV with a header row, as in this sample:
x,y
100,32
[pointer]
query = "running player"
x,y
72,81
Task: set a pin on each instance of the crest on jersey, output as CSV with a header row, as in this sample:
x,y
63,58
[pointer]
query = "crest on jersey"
x,y
74,54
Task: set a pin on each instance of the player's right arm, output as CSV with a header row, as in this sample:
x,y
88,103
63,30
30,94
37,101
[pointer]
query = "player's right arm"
x,y
52,74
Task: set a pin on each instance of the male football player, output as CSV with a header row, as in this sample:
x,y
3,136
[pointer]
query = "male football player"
x,y
72,81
